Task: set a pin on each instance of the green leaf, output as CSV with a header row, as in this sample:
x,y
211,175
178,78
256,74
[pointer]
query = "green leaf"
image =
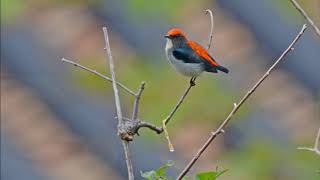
x,y
161,171
206,176
149,175
210,175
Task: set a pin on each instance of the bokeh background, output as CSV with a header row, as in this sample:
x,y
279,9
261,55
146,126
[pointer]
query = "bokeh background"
x,y
57,122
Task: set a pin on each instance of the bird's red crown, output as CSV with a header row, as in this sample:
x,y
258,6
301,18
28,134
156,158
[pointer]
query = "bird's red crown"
x,y
176,31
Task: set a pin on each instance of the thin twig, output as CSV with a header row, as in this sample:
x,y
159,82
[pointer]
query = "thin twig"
x,y
113,76
316,147
208,11
117,102
316,143
137,101
166,121
128,159
215,133
168,118
306,16
98,74
158,130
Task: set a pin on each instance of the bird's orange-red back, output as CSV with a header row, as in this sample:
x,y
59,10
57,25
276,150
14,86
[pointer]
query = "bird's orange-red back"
x,y
202,52
176,31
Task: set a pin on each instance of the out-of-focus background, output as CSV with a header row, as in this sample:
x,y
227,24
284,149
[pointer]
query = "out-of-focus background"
x,y
57,122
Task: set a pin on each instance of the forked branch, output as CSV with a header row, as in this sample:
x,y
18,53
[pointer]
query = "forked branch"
x,y
220,129
316,145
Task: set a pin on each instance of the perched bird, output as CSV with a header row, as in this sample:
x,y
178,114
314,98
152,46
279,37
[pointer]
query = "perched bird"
x,y
188,57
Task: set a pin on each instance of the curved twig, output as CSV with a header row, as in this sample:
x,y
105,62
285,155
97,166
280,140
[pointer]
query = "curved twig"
x,y
316,147
208,11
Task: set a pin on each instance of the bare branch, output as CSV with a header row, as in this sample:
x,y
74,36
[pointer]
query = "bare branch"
x,y
113,76
316,147
215,133
168,118
137,101
137,124
118,105
128,159
141,124
98,74
305,15
208,11
166,121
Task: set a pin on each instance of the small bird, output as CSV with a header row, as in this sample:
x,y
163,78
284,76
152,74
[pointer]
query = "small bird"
x,y
188,57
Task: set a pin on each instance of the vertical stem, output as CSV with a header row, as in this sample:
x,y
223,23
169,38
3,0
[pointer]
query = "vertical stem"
x,y
121,124
128,159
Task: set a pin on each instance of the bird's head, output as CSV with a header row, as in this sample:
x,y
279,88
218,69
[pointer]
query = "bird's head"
x,y
176,36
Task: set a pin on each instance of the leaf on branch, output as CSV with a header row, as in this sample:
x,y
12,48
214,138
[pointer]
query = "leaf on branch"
x,y
160,173
210,175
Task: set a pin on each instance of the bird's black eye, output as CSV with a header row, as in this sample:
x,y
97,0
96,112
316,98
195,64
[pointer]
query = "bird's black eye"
x,y
178,36
170,36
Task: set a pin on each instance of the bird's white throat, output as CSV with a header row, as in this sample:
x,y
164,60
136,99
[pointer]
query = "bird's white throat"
x,y
169,44
187,69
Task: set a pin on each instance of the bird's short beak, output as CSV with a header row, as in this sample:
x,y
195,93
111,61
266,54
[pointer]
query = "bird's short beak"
x,y
166,36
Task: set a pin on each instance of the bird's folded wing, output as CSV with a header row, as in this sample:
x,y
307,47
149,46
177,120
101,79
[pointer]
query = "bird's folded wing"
x,y
202,52
186,55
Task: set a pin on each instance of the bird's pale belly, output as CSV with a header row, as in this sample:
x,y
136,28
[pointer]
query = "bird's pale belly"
x,y
187,69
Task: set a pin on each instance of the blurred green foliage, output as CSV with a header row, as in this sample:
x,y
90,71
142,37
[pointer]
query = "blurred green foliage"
x,y
167,9
11,9
265,160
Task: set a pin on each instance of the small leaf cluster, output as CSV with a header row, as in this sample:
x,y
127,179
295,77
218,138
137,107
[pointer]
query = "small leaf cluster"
x,y
160,174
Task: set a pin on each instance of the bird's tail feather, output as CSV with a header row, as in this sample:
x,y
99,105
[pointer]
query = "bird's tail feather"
x,y
223,69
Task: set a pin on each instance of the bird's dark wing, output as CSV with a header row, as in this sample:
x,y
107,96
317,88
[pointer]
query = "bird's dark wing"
x,y
186,55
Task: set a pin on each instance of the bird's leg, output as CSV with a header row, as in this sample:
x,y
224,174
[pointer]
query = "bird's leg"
x,y
193,81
